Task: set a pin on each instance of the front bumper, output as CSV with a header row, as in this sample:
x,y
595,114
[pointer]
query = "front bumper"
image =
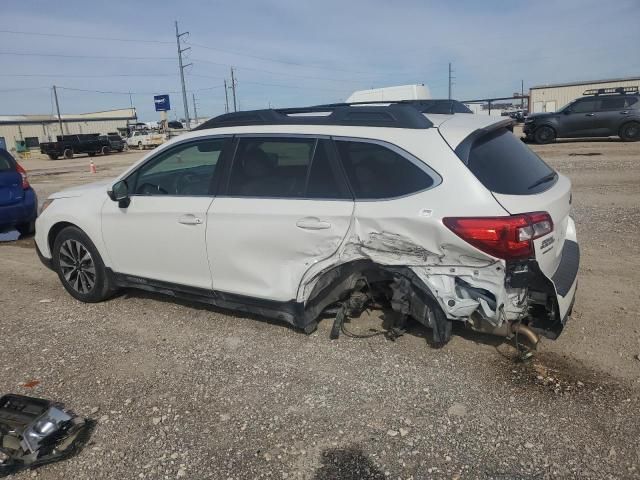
x,y
47,262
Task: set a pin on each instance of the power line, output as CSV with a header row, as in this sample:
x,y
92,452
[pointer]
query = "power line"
x,y
85,37
133,93
47,75
102,57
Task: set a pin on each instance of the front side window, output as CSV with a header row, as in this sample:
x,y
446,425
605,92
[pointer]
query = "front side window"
x,y
187,169
585,106
376,172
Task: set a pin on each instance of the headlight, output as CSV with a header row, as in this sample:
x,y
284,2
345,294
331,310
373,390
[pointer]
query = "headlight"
x,y
46,203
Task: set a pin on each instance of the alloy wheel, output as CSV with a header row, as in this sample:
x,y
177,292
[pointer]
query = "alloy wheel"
x,y
77,266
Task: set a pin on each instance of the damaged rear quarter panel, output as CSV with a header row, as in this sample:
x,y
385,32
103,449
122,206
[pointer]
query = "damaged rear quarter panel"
x,y
408,231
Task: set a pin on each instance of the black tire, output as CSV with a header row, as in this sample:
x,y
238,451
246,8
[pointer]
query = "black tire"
x,y
26,229
53,156
85,279
68,153
630,132
544,135
105,150
140,146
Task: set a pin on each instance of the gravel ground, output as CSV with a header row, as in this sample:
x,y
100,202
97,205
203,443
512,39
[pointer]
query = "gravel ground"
x,y
181,390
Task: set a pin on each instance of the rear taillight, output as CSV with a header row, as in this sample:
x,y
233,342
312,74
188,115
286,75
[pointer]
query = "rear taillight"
x,y
508,238
23,174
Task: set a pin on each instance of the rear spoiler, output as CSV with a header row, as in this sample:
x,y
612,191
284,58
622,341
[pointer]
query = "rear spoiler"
x,y
463,149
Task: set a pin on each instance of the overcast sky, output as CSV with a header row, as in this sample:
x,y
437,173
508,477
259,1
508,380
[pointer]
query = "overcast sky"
x,y
297,52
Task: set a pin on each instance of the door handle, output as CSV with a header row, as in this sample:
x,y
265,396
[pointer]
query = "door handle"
x,y
589,114
312,223
624,112
189,219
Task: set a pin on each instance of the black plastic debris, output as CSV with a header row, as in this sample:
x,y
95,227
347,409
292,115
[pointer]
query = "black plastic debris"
x,y
34,432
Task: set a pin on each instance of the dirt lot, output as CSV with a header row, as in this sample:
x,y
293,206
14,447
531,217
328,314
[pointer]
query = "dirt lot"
x,y
185,391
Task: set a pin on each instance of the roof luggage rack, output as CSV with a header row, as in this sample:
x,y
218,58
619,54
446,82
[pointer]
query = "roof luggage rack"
x,y
604,91
361,114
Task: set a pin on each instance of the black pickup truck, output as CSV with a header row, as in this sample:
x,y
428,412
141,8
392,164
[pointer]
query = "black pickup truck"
x,y
69,145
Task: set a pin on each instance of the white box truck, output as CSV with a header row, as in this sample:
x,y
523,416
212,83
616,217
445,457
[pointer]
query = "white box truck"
x,y
392,94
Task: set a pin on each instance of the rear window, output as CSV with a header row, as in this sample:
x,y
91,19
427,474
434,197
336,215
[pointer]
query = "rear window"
x,y
5,161
504,164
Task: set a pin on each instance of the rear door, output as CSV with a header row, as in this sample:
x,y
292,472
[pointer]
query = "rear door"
x,y
523,183
11,191
286,207
609,115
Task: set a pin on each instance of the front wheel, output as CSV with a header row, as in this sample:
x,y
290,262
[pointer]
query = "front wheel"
x,y
68,153
544,135
630,132
105,150
80,267
140,146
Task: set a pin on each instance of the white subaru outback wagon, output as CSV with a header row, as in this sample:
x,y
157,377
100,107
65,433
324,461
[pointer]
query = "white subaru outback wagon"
x,y
296,213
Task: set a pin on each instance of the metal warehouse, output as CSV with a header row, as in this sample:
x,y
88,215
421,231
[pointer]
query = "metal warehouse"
x,y
33,129
549,98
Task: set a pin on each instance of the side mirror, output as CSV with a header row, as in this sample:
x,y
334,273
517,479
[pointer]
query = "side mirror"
x,y
120,193
566,111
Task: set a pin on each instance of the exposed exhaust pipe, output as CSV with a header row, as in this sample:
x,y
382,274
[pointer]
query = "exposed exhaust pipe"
x,y
521,329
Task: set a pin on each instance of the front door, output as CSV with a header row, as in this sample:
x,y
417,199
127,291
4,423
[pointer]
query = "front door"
x,y
161,234
581,119
286,207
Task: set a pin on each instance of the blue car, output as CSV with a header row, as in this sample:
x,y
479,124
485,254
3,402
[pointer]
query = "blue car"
x,y
18,201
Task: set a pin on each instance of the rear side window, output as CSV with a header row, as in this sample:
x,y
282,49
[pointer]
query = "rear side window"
x,y
376,172
271,167
630,101
612,103
284,167
6,163
504,164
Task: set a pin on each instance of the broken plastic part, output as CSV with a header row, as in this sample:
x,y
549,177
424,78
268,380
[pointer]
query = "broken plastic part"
x,y
35,431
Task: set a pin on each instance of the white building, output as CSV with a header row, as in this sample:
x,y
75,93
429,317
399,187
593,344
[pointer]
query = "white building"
x,y
549,98
34,129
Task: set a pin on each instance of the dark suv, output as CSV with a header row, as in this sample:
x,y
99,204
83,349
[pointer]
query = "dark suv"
x,y
599,113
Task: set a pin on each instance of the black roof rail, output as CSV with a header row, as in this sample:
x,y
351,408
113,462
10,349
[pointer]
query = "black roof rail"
x,y
361,114
604,91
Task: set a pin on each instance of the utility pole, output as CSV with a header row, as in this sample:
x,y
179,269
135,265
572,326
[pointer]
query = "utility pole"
x,y
182,67
522,94
233,89
226,97
55,95
450,80
195,110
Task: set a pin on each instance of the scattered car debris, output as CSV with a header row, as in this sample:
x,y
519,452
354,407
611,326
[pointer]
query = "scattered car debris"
x,y
35,431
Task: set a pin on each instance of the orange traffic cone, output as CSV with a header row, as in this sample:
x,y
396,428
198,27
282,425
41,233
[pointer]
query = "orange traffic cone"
x,y
92,167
